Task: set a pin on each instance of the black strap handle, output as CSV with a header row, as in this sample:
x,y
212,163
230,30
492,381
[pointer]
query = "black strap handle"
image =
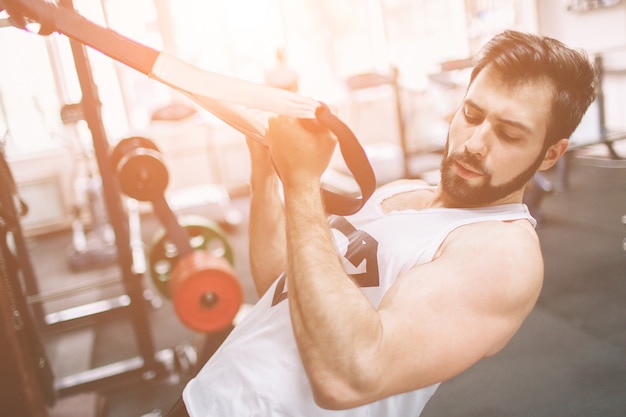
x,y
356,160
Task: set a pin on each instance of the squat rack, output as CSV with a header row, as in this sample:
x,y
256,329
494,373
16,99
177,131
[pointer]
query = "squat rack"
x,y
148,364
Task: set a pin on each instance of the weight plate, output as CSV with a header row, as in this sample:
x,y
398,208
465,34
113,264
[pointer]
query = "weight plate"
x,y
143,175
204,235
140,169
205,292
128,145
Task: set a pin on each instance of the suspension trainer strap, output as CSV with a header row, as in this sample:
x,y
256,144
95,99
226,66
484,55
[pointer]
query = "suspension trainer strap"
x,y
356,160
223,96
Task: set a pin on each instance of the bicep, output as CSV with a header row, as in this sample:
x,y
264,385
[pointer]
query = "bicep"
x,y
444,316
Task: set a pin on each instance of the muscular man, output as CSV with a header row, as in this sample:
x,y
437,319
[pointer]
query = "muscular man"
x,y
365,315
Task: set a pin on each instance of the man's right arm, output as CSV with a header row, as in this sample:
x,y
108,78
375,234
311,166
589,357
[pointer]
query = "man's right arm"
x,y
266,231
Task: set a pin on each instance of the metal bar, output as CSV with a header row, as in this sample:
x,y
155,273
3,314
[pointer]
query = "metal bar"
x,y
96,377
175,232
87,310
137,246
112,197
55,295
114,374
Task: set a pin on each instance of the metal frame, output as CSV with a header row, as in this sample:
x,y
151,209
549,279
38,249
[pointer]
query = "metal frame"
x,y
149,364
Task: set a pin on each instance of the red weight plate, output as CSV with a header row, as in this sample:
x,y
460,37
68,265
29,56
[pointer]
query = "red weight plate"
x,y
205,291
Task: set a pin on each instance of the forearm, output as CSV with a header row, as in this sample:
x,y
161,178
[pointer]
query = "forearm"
x,y
266,231
335,326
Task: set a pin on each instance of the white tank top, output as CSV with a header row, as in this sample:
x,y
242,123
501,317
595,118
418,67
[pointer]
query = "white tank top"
x,y
257,370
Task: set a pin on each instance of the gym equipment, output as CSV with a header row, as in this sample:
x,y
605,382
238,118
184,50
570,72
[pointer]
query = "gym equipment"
x,y
22,354
206,292
141,172
217,93
94,247
624,240
204,289
203,234
93,244
148,364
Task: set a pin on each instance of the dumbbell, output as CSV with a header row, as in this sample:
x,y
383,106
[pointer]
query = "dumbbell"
x,y
202,284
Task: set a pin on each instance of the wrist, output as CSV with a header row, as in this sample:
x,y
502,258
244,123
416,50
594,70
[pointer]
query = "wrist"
x,y
301,188
264,182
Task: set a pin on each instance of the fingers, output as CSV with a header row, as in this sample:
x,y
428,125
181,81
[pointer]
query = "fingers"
x,y
21,12
16,17
286,128
300,148
312,125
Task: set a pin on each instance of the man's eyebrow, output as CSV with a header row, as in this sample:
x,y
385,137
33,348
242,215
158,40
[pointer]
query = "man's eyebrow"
x,y
514,123
519,125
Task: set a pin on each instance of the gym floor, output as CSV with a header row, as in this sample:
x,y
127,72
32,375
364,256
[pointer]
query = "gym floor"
x,y
568,359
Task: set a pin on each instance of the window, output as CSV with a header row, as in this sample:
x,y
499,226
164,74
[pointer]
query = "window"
x,y
29,104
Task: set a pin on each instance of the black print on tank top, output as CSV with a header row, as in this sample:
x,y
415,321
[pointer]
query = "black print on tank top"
x,y
361,248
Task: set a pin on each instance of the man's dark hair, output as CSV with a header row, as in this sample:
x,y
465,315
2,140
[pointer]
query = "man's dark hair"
x,y
520,57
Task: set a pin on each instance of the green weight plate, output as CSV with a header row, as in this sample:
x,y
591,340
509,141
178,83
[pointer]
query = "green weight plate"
x,y
203,235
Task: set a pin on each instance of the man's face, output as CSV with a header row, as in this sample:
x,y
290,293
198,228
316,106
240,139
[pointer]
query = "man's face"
x,y
495,141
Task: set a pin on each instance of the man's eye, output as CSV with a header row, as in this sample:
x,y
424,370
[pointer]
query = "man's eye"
x,y
471,117
506,137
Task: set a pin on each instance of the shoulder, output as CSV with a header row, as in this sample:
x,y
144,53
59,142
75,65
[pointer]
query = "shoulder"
x,y
515,236
485,230
503,256
515,242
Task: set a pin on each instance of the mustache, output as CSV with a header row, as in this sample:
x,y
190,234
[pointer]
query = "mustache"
x,y
469,160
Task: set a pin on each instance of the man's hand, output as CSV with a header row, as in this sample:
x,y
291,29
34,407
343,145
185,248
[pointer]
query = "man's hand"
x,y
23,12
301,149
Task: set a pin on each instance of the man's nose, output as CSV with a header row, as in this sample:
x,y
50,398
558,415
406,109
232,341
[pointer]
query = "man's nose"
x,y
478,143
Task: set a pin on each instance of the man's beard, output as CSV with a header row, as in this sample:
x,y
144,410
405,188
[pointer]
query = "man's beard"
x,y
465,195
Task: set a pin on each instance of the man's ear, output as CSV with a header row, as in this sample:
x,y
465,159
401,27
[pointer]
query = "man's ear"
x,y
553,154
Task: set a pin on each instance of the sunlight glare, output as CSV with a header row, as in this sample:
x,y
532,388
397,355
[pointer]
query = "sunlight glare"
x,y
247,15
